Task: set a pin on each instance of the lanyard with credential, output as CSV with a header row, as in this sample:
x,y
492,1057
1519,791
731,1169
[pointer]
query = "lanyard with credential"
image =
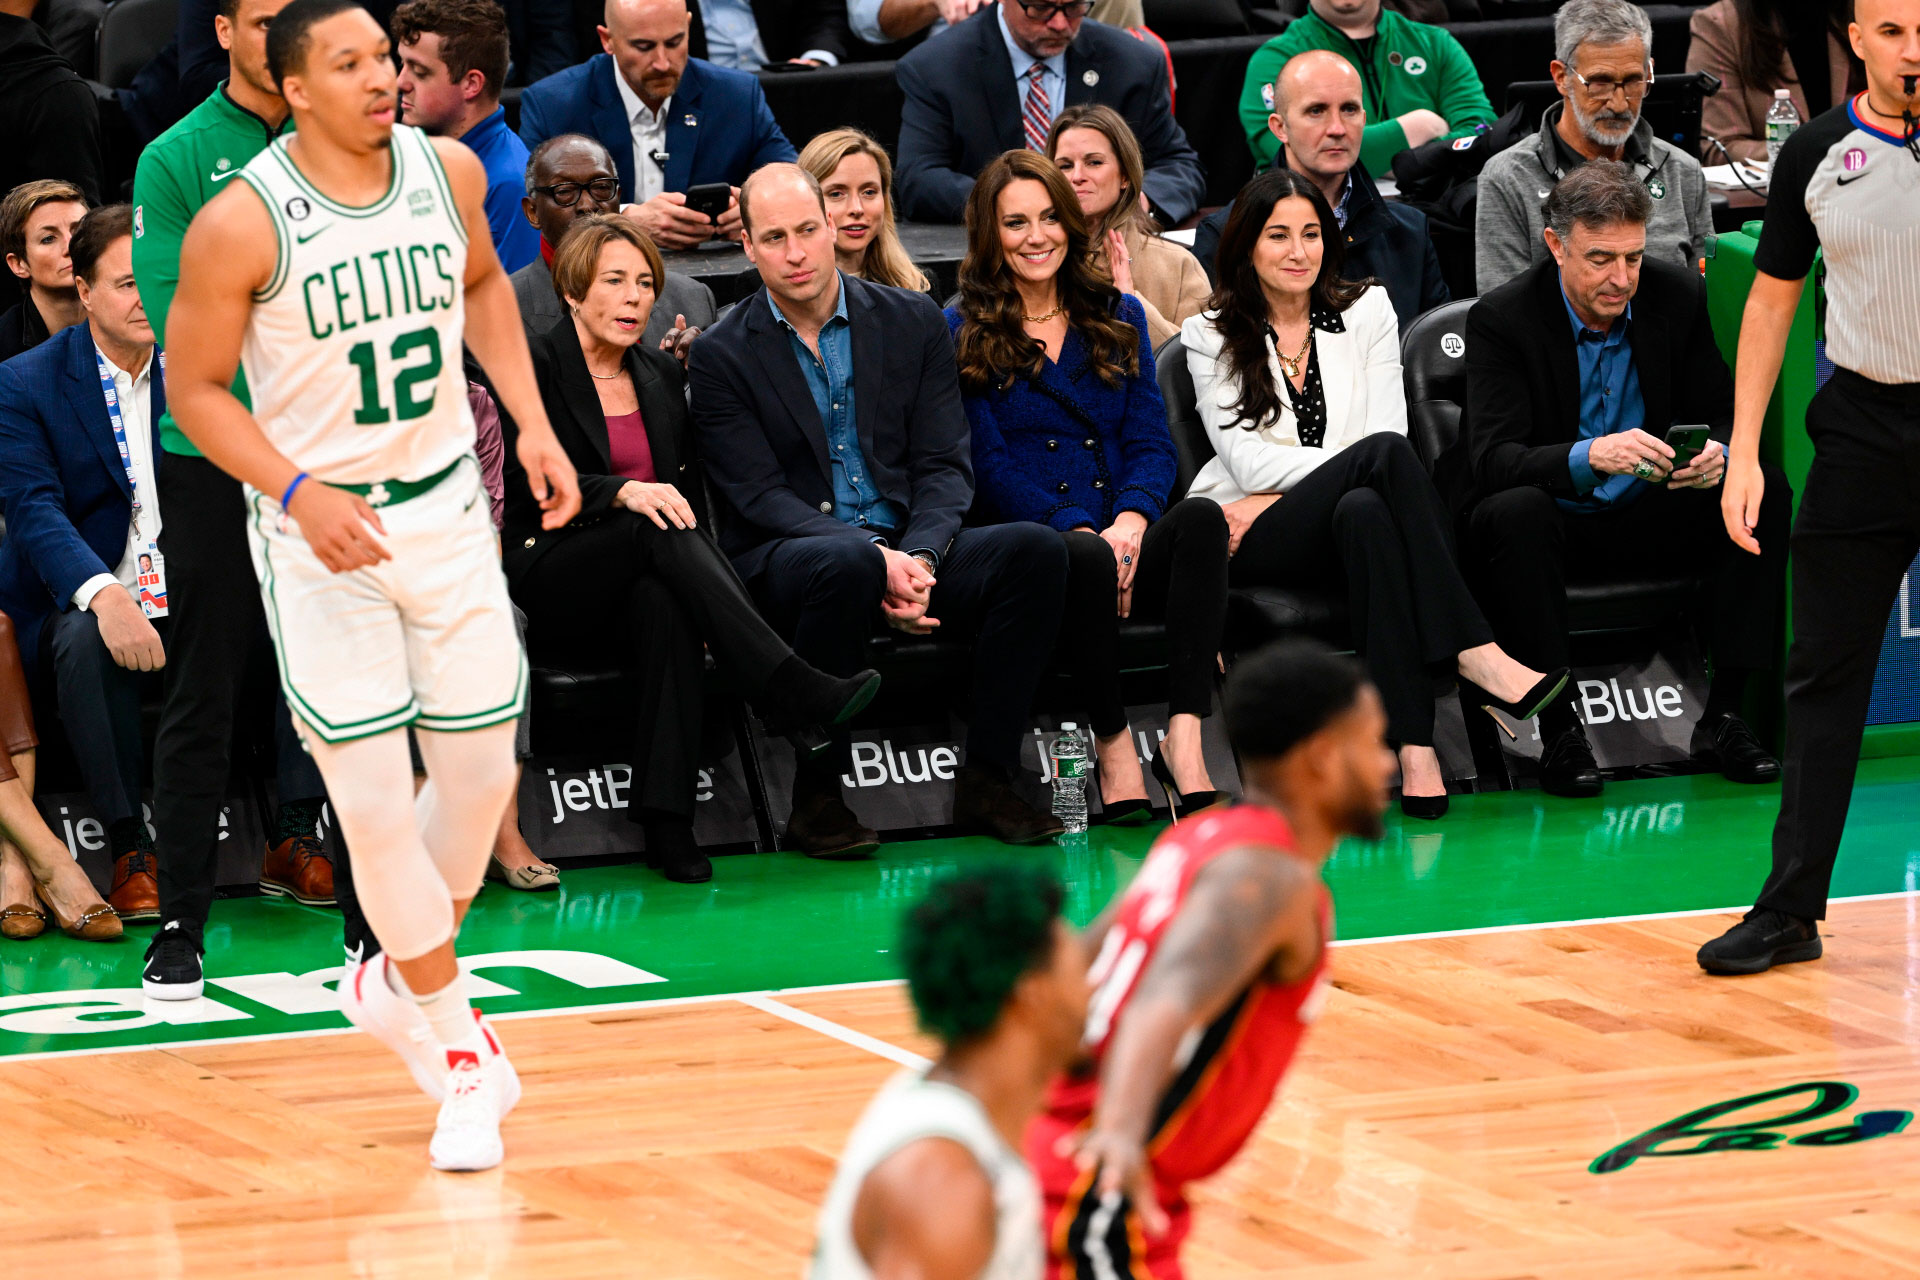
x,y
108,390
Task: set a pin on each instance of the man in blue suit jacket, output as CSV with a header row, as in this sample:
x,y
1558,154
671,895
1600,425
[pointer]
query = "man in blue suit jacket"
x,y
672,121
82,517
967,90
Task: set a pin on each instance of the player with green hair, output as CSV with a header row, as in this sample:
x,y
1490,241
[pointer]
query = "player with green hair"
x,y
932,1183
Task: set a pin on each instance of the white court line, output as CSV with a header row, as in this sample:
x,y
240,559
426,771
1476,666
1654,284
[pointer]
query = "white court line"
x,y
846,1035
622,1006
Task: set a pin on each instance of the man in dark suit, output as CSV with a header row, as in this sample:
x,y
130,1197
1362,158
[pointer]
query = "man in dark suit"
x,y
997,81
672,121
79,435
572,166
1575,372
830,418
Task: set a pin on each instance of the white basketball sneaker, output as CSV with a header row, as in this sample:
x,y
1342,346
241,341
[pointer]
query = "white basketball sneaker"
x,y
372,1005
466,1137
506,1080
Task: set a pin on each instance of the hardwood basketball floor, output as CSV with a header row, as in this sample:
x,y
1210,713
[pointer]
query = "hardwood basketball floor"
x,y
1440,1124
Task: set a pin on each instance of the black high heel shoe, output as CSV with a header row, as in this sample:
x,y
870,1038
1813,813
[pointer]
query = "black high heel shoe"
x,y
1183,803
1532,702
1428,807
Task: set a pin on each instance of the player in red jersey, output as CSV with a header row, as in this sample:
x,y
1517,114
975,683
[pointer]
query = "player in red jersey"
x,y
1208,969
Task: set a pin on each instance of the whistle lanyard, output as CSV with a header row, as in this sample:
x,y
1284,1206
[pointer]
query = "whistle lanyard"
x,y
112,395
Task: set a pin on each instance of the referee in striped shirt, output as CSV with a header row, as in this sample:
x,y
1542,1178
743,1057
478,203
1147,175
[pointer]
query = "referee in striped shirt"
x,y
1849,183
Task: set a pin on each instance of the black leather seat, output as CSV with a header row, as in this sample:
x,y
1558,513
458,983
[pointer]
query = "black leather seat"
x,y
131,33
1255,615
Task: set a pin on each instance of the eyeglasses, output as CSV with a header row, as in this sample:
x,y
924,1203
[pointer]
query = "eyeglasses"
x,y
1039,11
567,194
1602,88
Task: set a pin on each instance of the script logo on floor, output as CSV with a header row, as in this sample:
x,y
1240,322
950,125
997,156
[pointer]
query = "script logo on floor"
x,y
1759,1133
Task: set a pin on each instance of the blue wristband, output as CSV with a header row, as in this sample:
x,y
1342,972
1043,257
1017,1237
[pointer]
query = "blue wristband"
x,y
287,497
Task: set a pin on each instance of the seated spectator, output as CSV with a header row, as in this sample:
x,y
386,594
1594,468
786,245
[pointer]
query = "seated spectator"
x,y
886,21
672,121
1575,371
36,869
36,221
639,563
1758,46
831,421
1101,160
47,112
857,177
79,435
1419,83
1318,118
1297,372
1069,431
453,64
996,82
571,177
748,34
1603,66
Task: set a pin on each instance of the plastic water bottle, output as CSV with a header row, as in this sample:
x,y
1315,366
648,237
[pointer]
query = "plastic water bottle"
x,y
1069,756
1782,120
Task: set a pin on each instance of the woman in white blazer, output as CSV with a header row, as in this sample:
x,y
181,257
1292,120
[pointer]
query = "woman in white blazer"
x,y
1298,376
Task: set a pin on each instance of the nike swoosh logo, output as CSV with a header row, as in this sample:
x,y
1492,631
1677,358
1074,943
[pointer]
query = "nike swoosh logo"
x,y
1844,179
302,239
221,177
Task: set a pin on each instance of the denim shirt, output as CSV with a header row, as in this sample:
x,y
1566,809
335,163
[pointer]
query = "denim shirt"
x,y
1610,402
830,379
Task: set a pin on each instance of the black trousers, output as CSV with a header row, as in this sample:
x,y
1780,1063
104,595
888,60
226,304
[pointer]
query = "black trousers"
x,y
1525,547
215,623
659,595
1180,579
1369,519
1857,532
100,709
1001,587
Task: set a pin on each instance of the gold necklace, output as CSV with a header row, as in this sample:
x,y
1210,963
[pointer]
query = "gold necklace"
x,y
1291,367
1043,319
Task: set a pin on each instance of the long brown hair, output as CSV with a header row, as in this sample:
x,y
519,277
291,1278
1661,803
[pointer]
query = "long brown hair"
x,y
1762,39
1241,305
1126,214
993,345
887,261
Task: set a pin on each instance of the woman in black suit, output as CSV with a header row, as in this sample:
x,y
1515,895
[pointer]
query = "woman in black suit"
x,y
638,565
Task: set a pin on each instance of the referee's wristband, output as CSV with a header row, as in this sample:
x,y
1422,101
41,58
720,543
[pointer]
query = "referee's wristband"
x,y
287,497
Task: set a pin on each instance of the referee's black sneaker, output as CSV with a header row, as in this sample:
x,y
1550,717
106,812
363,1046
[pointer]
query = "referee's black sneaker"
x,y
173,963
1728,742
1762,940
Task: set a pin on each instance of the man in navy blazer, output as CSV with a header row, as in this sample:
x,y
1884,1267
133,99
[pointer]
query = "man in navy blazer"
x,y
966,102
672,121
76,558
830,418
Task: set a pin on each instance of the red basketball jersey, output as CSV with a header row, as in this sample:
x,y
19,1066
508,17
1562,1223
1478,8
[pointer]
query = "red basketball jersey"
x,y
1227,1072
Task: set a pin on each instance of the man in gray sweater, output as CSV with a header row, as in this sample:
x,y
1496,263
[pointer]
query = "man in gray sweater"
x,y
1603,68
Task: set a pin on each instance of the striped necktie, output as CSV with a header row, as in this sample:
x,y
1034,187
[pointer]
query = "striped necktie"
x,y
1038,112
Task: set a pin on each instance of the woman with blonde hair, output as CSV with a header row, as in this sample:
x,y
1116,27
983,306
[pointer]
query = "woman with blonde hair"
x,y
1098,153
856,178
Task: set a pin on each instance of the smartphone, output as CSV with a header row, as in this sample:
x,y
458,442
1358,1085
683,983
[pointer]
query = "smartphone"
x,y
710,198
1686,442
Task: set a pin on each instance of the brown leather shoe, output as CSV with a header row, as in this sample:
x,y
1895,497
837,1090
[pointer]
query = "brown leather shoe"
x,y
823,827
20,922
136,893
299,868
984,800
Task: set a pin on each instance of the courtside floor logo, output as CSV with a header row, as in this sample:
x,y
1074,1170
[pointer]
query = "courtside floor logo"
x,y
1757,1122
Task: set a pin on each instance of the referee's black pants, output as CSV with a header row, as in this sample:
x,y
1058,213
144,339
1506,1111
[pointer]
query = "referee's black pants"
x,y
215,621
1857,531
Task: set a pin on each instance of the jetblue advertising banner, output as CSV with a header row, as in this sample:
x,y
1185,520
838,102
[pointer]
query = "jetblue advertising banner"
x,y
1896,685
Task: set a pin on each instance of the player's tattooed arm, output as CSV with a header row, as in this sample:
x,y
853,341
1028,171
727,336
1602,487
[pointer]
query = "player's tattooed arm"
x,y
926,1213
499,342
1243,909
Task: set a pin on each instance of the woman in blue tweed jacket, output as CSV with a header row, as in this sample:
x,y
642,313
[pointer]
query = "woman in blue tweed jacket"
x,y
1069,430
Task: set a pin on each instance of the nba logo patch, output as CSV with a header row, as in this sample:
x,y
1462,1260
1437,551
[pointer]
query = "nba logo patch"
x,y
1464,144
1854,161
1266,96
139,221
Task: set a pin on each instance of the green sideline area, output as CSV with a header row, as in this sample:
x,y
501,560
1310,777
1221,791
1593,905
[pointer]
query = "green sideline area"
x,y
619,934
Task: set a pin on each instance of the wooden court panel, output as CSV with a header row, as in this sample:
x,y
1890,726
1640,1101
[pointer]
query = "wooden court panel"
x,y
1440,1124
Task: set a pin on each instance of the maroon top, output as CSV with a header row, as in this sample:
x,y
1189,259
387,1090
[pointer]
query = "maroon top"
x,y
632,454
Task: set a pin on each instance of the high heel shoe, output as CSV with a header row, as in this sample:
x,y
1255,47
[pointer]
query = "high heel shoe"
x,y
20,922
1125,813
1183,803
1532,702
98,923
1428,807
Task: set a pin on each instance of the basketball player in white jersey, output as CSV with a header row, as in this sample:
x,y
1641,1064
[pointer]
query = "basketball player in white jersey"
x,y
342,272
932,1185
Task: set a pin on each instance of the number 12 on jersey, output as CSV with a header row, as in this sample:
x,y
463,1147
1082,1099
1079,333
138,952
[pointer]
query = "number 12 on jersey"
x,y
408,374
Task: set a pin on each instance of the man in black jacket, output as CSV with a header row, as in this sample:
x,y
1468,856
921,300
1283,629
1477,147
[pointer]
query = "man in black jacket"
x,y
830,417
997,81
1318,116
1575,372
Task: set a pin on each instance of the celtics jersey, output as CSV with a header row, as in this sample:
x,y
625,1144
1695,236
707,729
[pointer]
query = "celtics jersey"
x,y
353,351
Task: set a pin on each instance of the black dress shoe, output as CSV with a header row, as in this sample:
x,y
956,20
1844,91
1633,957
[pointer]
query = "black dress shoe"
x,y
1567,766
1533,701
1728,742
985,800
674,853
1429,807
1125,813
823,827
811,696
1762,940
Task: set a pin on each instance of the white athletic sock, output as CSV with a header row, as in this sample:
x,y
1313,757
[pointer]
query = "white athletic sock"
x,y
451,1017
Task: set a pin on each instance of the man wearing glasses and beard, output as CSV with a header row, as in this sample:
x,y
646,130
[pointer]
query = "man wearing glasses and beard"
x,y
1603,66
